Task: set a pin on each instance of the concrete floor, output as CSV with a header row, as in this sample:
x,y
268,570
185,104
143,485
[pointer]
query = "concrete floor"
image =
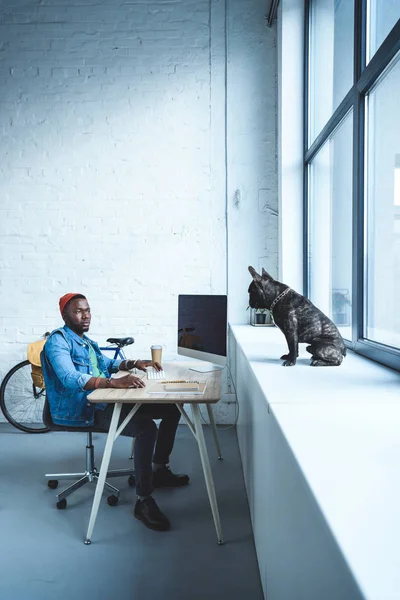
x,y
42,554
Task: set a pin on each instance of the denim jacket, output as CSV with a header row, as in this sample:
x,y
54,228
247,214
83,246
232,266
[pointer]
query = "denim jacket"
x,y
67,369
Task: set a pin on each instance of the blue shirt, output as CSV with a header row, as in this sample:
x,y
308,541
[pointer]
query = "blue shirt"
x,y
67,369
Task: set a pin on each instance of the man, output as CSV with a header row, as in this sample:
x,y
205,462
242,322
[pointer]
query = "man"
x,y
73,366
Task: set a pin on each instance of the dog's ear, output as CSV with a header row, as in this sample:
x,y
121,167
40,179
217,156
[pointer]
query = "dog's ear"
x,y
265,275
254,274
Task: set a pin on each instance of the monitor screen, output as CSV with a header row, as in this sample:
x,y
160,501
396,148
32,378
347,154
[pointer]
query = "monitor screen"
x,y
202,327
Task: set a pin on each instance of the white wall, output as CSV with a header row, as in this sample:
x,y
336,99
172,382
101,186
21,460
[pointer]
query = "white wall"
x,y
252,199
112,161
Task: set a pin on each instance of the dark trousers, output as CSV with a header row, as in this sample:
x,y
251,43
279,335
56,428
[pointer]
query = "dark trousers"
x,y
151,444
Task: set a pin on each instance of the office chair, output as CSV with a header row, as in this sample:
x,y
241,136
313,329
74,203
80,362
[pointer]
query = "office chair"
x,y
90,475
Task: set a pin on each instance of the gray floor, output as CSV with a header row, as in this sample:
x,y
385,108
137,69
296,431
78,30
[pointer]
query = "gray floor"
x,y
42,554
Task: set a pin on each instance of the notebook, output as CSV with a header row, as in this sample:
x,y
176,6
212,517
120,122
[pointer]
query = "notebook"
x,y
177,387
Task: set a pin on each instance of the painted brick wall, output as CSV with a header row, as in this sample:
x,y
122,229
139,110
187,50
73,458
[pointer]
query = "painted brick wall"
x,y
251,150
112,160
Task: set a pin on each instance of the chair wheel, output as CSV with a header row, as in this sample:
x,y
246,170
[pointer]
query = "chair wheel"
x,y
62,504
112,500
52,484
131,480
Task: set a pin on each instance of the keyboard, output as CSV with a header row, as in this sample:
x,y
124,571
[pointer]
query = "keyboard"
x,y
154,375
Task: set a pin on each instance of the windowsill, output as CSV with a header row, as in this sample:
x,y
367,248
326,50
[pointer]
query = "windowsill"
x,y
342,425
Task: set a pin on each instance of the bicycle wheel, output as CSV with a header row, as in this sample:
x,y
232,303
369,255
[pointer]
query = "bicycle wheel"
x,y
21,401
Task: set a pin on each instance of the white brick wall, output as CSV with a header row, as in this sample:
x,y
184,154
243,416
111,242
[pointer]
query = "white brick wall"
x,y
112,163
252,150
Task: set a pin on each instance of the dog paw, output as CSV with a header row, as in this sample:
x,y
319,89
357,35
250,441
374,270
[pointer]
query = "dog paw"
x,y
319,363
285,357
288,363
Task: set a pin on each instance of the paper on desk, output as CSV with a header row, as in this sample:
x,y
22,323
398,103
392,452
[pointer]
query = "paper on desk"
x,y
159,388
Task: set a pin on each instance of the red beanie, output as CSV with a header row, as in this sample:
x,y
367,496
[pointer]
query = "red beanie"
x,y
66,298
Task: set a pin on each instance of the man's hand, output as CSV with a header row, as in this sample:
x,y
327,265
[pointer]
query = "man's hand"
x,y
128,381
142,365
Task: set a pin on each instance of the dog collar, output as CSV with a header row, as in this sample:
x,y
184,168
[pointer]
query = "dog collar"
x,y
279,298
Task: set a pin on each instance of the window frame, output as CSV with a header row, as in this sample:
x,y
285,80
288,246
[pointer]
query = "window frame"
x,y
364,78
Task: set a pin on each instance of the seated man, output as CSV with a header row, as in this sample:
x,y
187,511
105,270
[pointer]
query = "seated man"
x,y
73,366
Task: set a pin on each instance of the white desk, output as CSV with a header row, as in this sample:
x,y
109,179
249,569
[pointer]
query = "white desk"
x,y
350,459
140,396
333,431
357,379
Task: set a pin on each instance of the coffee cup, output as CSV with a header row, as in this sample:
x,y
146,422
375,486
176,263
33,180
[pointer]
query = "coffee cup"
x,y
156,353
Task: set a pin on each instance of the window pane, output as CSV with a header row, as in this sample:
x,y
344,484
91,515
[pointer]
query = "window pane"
x,y
382,299
382,16
331,59
330,233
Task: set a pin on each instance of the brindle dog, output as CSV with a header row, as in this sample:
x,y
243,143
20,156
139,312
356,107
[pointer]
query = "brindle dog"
x,y
299,320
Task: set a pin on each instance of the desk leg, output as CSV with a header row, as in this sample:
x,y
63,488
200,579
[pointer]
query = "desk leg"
x,y
207,471
132,449
214,429
103,470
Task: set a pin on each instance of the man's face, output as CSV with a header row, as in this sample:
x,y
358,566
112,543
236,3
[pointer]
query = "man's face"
x,y
77,315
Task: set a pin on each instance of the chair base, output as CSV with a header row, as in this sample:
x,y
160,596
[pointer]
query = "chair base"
x,y
89,476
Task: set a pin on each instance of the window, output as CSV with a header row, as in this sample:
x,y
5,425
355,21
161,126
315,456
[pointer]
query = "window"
x,y
331,58
352,171
330,235
382,16
382,290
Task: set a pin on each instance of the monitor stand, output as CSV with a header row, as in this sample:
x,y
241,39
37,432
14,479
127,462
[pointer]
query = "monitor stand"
x,y
206,368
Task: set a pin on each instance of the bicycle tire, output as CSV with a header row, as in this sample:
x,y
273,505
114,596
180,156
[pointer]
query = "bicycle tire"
x,y
21,402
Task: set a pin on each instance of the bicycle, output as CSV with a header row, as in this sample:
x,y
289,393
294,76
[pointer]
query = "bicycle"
x,y
21,401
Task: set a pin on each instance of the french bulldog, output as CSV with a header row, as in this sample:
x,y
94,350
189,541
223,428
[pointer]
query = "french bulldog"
x,y
299,320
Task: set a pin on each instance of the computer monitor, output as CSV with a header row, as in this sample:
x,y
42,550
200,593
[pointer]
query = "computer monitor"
x,y
202,329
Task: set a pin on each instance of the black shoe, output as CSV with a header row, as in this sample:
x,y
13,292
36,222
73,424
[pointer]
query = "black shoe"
x,y
148,512
164,477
